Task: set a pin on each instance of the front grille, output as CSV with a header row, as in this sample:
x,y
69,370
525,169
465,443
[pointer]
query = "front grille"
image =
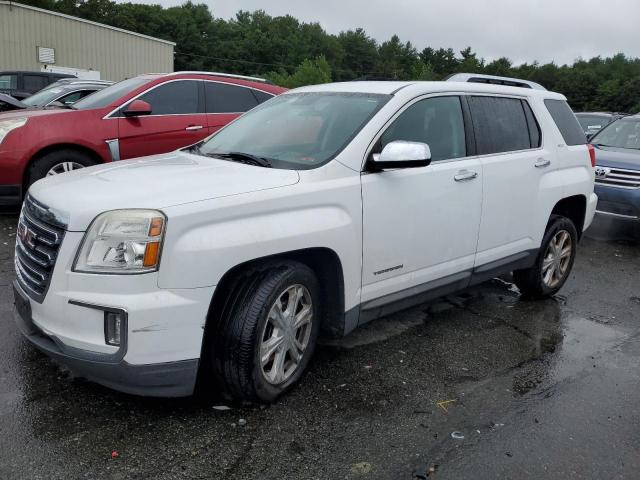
x,y
37,245
618,177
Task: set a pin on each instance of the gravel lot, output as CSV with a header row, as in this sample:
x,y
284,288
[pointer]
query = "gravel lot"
x,y
547,388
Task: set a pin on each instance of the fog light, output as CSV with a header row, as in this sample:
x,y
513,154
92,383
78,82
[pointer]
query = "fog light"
x,y
112,326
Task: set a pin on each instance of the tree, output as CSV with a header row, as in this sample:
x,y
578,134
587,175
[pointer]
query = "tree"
x,y
309,72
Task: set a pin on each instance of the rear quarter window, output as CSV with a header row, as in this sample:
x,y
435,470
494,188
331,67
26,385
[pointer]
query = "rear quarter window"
x,y
566,121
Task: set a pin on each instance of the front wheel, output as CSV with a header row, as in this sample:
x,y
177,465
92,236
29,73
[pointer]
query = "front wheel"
x,y
268,331
57,162
553,263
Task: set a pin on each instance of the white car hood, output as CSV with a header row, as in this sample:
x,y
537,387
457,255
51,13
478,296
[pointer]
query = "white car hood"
x,y
157,182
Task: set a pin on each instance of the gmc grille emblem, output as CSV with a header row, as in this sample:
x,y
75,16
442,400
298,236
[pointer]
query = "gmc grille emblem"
x,y
602,172
26,235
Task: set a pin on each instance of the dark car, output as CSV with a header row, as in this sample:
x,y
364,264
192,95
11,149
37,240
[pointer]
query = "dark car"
x,y
593,122
617,149
64,92
20,84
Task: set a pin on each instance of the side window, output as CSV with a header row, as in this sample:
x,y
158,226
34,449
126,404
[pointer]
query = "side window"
x,y
499,124
33,83
566,121
73,97
261,97
534,128
172,98
437,122
9,82
226,98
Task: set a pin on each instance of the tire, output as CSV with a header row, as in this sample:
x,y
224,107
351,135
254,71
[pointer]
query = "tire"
x,y
535,282
245,323
59,158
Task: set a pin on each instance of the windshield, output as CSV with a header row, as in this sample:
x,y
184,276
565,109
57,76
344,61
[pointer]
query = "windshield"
x,y
299,130
593,122
43,97
624,133
110,94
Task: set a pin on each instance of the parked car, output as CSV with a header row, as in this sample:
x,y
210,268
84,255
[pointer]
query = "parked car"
x,y
61,93
320,210
140,116
593,122
618,169
22,84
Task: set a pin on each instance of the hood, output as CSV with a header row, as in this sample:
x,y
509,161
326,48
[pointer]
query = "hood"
x,y
618,158
7,103
156,182
36,112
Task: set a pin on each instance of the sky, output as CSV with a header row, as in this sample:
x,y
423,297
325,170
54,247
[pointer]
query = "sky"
x,y
522,30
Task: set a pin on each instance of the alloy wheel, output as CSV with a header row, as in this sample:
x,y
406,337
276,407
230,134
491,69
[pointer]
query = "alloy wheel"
x,y
64,167
556,259
286,333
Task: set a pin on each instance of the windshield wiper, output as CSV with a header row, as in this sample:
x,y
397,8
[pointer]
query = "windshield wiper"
x,y
243,158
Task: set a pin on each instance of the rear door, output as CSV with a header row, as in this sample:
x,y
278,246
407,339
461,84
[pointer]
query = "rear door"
x,y
177,120
515,162
225,102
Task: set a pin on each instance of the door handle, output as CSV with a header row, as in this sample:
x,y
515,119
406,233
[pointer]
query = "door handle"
x,y
465,176
542,162
192,128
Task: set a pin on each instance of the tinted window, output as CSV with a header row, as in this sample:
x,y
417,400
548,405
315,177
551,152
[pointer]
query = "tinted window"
x,y
500,124
174,98
225,98
532,123
261,96
437,122
566,121
9,82
73,97
33,83
112,93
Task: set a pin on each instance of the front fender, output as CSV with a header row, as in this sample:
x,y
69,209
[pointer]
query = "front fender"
x,y
207,239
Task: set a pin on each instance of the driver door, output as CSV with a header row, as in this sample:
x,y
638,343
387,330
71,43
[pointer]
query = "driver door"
x,y
420,225
177,120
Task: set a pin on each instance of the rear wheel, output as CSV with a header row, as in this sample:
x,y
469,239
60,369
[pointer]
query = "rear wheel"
x,y
55,163
554,262
268,331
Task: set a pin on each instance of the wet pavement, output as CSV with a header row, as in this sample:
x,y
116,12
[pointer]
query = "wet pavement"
x,y
531,388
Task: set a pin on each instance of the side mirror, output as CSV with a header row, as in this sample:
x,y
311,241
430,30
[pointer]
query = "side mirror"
x,y
402,154
137,108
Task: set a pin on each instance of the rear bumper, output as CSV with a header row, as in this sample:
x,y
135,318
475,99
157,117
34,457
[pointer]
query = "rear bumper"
x,y
619,203
170,379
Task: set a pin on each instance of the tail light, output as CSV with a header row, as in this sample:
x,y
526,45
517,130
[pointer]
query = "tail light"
x,y
592,154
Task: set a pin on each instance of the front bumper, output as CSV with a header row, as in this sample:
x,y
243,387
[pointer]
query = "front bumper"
x,y
168,379
620,203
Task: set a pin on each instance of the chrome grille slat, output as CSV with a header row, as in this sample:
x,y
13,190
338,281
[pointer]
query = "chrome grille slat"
x,y
37,244
619,178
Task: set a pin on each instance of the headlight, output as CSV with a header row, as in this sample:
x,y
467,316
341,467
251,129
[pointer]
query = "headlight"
x,y
7,125
122,241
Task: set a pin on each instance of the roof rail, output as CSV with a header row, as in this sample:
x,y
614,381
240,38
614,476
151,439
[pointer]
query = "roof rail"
x,y
493,80
218,74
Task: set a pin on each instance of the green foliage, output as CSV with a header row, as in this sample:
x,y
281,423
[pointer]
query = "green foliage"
x,y
293,53
309,72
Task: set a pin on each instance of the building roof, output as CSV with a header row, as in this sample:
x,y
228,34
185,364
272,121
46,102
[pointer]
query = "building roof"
x,y
82,20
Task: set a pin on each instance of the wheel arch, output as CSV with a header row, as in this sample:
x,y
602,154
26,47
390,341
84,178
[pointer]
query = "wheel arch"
x,y
574,208
54,148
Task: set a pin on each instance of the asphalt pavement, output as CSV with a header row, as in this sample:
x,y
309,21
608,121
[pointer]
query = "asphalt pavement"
x,y
475,385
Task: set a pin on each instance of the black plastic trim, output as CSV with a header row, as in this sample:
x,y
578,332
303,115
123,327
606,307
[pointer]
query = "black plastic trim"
x,y
170,379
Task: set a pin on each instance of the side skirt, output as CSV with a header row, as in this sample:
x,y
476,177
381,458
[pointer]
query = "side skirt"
x,y
410,297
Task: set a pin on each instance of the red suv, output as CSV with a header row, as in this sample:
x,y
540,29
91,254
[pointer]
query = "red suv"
x,y
144,115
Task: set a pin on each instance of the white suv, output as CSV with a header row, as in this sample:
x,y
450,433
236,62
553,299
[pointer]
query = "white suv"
x,y
318,211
